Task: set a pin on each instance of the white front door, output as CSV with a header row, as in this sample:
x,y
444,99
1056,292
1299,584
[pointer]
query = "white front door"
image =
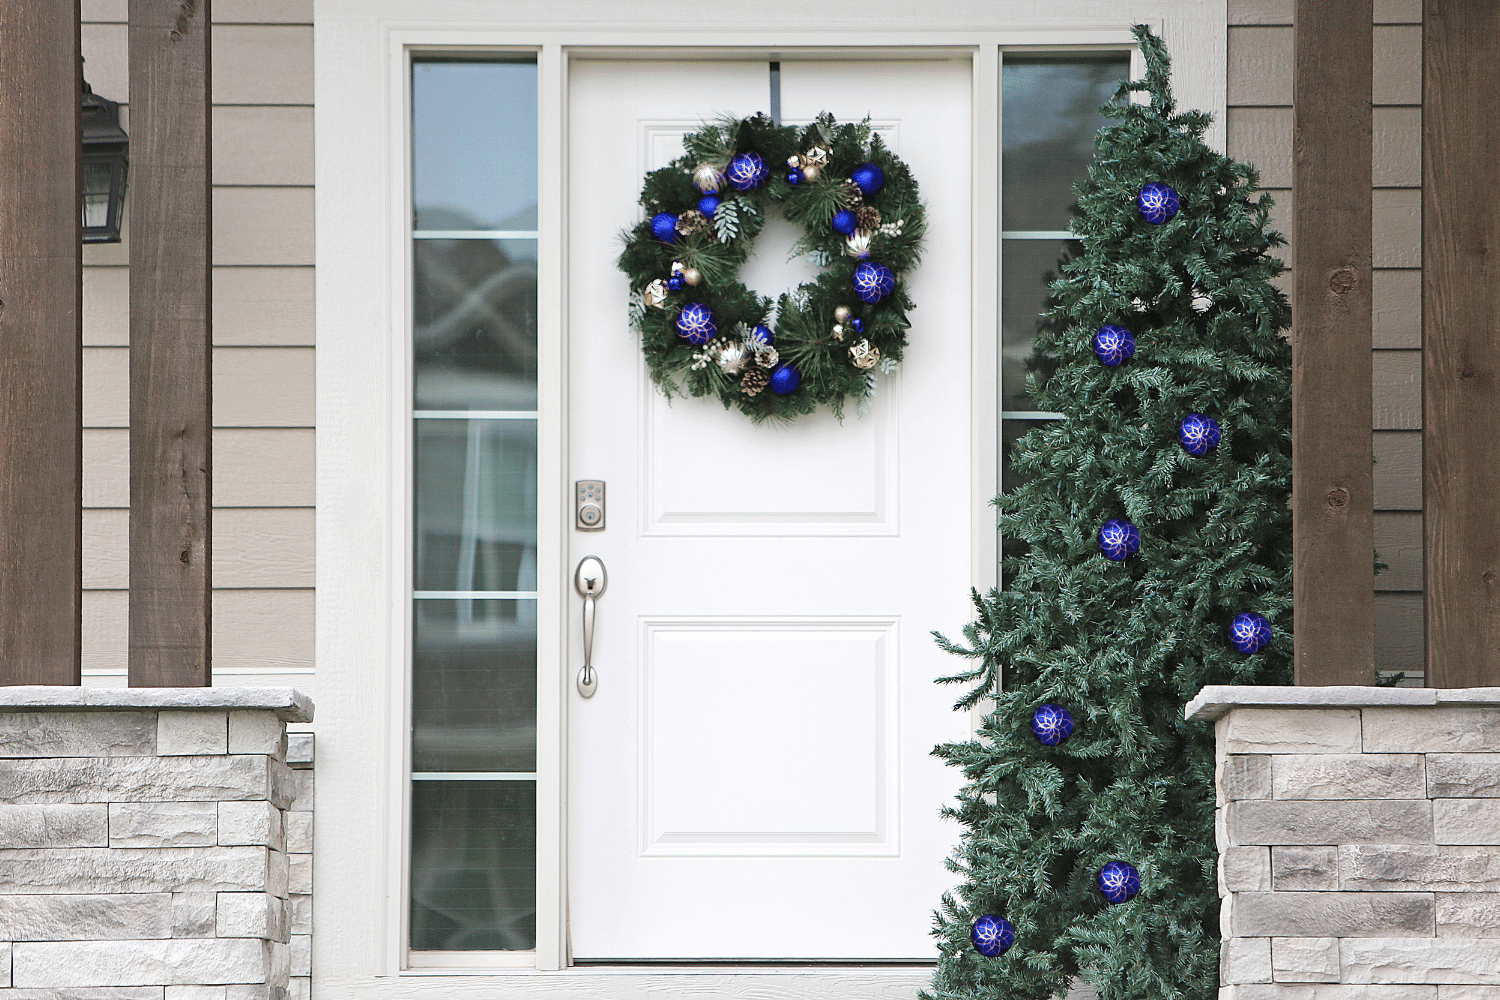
x,y
753,778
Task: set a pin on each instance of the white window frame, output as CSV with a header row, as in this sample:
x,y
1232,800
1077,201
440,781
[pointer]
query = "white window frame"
x,y
362,64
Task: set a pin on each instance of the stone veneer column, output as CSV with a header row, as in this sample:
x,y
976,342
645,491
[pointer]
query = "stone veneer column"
x,y
144,844
1359,842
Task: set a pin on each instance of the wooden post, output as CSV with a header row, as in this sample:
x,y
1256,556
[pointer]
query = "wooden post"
x,y
1332,482
170,347
1461,341
41,344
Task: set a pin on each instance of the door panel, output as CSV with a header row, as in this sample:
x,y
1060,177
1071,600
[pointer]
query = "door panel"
x,y
753,779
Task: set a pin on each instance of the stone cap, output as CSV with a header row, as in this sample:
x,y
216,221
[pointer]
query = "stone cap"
x,y
289,704
1218,699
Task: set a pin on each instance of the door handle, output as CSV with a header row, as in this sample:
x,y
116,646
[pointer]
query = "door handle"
x,y
589,579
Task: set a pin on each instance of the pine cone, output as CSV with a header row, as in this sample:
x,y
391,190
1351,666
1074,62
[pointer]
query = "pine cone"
x,y
852,196
754,380
690,222
869,218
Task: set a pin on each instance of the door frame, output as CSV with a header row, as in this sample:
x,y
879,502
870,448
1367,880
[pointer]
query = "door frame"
x,y
363,574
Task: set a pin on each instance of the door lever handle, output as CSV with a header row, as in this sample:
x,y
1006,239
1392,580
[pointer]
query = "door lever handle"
x,y
589,579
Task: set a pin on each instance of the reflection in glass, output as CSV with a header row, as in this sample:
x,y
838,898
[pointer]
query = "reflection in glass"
x,y
474,144
474,685
1026,268
1050,113
476,504
474,324
473,865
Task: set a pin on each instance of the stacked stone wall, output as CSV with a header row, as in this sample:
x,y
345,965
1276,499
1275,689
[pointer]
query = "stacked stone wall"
x,y
1359,846
158,848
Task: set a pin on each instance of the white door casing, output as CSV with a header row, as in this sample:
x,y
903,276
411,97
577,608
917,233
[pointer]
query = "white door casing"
x,y
753,779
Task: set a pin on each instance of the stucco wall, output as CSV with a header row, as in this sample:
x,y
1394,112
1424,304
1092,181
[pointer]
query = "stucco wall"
x,y
1260,132
263,354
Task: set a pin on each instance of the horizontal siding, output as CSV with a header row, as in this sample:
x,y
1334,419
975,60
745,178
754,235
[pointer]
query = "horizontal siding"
x,y
253,387
1280,11
253,306
225,11
254,548
263,145
1397,308
1260,65
1399,632
259,631
1398,470
1398,390
1398,540
264,227
1263,137
253,467
263,64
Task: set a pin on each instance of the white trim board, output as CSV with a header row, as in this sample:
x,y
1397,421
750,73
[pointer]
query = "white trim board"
x,y
363,527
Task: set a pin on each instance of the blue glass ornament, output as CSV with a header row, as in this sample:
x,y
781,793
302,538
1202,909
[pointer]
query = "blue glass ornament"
x,y
1052,724
845,221
1198,434
747,171
794,177
762,334
868,177
785,379
695,324
1250,632
664,227
857,325
1158,203
1119,881
675,283
992,936
1119,540
1114,345
709,204
873,282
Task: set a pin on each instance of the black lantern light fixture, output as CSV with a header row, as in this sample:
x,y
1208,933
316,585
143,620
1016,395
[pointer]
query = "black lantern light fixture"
x,y
106,158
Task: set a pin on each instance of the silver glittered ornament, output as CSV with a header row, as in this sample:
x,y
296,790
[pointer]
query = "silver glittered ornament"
x,y
841,314
838,331
732,359
655,294
692,275
708,178
810,173
864,355
857,245
794,162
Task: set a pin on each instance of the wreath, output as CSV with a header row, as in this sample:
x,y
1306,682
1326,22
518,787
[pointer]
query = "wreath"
x,y
705,334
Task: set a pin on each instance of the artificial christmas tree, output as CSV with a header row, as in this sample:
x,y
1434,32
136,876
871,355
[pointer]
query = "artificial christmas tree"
x,y
1097,845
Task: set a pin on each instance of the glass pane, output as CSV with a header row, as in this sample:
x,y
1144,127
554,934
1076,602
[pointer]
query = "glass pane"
x,y
474,145
473,867
474,324
1050,112
1026,267
476,505
474,686
1011,432
96,182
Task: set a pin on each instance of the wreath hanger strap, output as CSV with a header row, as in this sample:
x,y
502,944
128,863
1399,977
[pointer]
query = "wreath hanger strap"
x,y
704,333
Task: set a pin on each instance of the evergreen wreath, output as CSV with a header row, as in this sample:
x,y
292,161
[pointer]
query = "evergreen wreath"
x,y
705,334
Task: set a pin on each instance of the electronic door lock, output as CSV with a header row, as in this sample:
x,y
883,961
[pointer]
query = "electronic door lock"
x,y
589,505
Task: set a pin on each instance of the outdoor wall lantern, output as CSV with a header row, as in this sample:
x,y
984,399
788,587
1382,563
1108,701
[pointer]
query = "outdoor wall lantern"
x,y
106,158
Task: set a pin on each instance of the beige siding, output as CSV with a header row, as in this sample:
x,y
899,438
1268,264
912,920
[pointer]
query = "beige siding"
x,y
1260,131
263,358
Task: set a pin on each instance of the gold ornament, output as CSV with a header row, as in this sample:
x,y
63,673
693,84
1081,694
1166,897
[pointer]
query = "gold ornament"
x,y
708,178
692,275
732,359
692,221
838,331
655,294
857,245
811,173
869,218
817,156
754,380
863,355
841,314
766,357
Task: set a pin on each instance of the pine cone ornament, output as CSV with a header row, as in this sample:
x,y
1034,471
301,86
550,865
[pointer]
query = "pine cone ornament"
x,y
766,357
754,380
869,219
692,221
851,195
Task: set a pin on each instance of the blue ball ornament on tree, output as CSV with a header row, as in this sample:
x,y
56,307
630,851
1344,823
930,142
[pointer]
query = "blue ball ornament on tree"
x,y
1250,632
1119,881
1198,434
857,325
873,282
747,171
785,379
1114,345
695,324
1119,540
1158,203
868,178
709,204
845,221
794,177
664,227
676,283
762,333
992,936
1052,724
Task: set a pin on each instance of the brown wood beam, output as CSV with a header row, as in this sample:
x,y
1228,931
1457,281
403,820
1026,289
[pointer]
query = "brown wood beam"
x,y
41,344
170,344
1461,341
1333,510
